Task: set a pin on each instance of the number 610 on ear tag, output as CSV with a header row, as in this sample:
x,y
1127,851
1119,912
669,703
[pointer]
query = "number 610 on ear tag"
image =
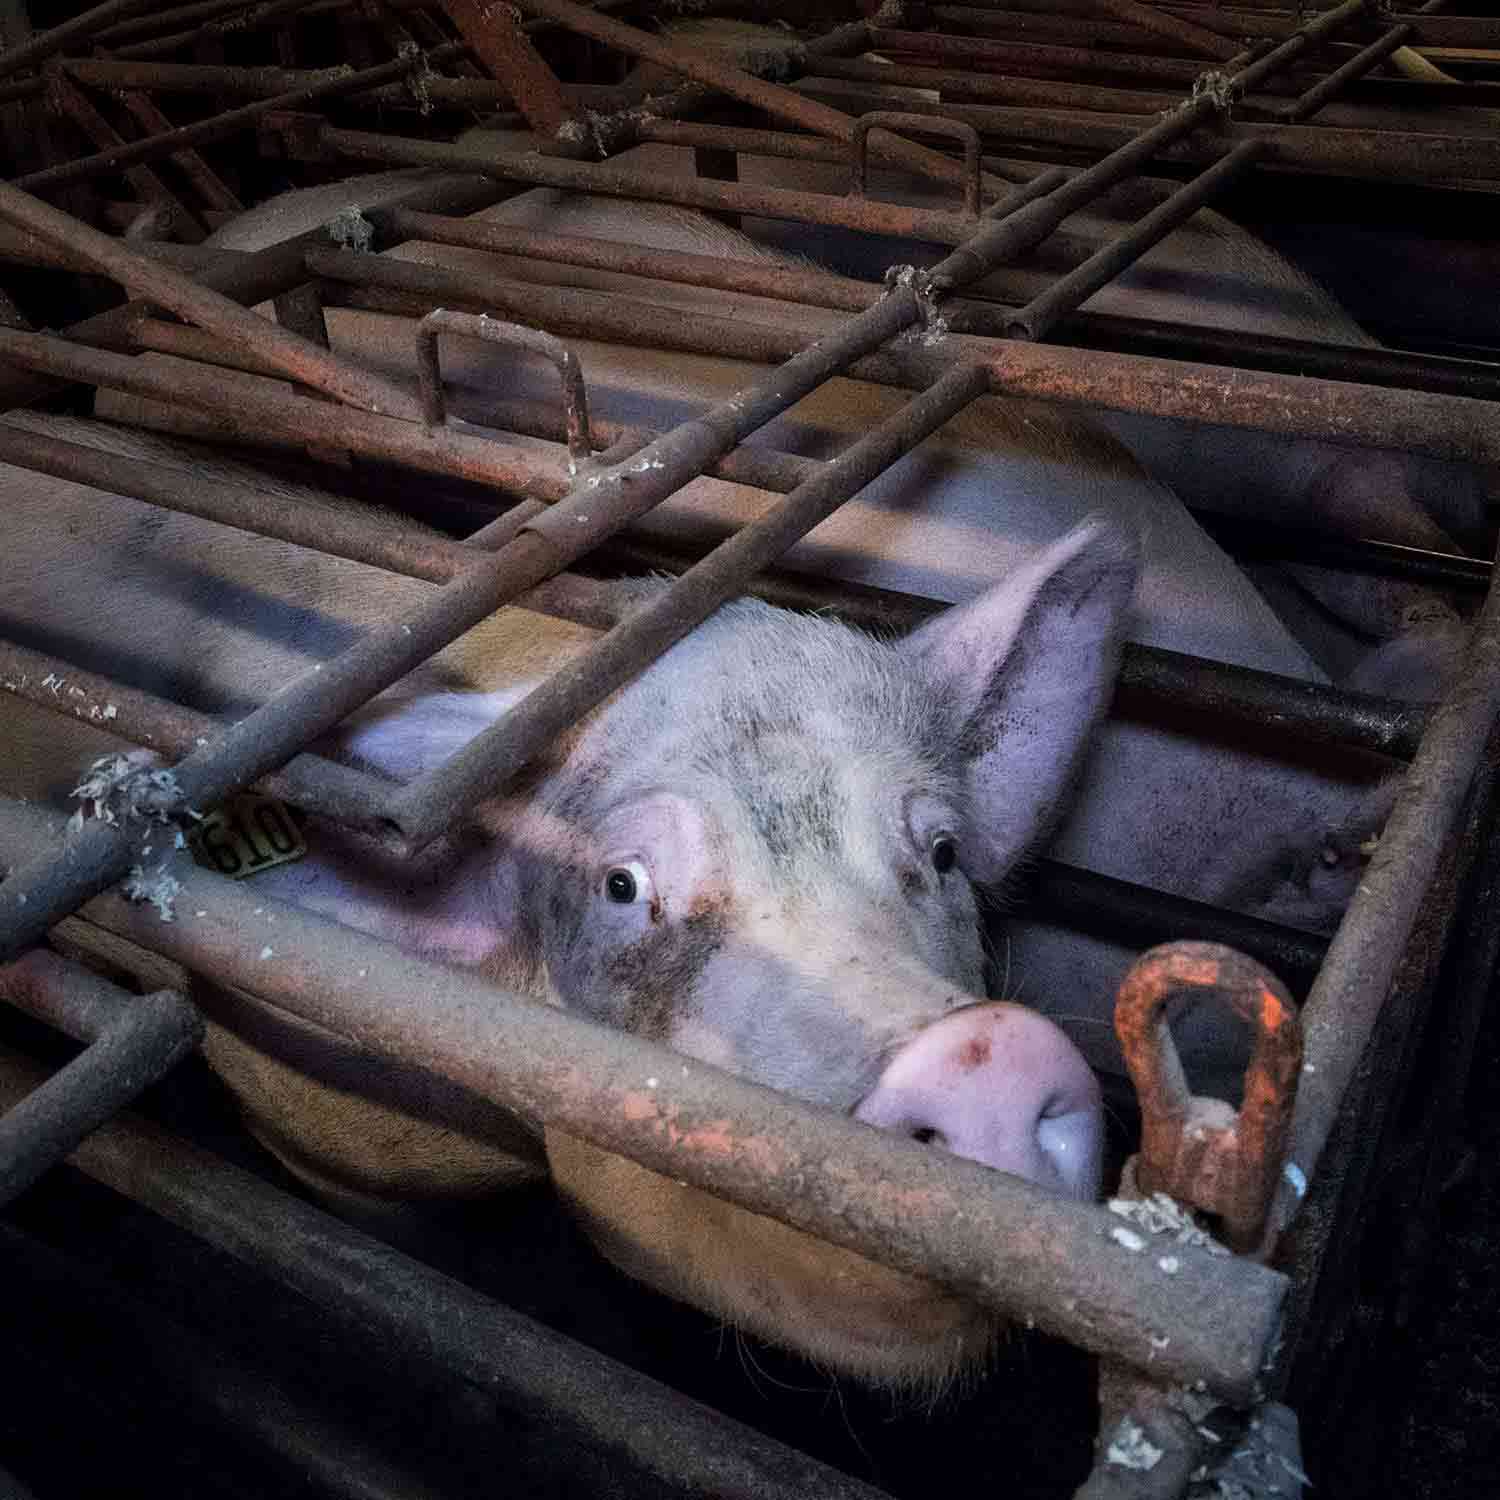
x,y
244,835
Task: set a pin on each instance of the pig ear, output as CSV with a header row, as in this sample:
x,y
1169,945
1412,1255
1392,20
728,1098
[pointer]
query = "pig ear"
x,y
1028,668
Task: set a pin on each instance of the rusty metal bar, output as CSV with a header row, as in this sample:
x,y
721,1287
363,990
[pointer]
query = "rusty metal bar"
x,y
988,1235
247,278
1168,22
569,312
1409,155
133,1041
296,357
612,181
1431,30
353,798
210,185
496,39
1033,59
424,807
201,14
1443,425
267,82
887,119
1346,1000
262,15
777,100
217,127
512,335
246,408
790,283
1010,88
46,43
1067,294
443,1326
72,101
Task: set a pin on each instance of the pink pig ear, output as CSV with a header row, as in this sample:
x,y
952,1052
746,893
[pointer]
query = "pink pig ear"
x,y
1029,668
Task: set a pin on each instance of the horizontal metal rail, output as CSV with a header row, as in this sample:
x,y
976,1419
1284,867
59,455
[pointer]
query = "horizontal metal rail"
x,y
989,1236
132,1042
441,1325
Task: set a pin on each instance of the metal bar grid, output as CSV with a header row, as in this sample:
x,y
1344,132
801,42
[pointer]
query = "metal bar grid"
x,y
965,376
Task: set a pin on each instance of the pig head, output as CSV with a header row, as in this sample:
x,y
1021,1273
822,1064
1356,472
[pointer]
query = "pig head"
x,y
763,854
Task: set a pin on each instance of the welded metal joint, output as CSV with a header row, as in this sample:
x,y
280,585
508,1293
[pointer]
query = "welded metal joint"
x,y
1199,1150
887,119
481,326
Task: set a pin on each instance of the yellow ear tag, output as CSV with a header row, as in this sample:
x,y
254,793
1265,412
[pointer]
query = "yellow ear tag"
x,y
246,834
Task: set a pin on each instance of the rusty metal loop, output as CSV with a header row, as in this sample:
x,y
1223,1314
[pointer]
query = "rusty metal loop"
x,y
1199,1150
493,330
887,119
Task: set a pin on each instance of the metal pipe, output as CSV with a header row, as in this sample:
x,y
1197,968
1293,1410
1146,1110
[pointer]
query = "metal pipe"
x,y
297,358
217,127
609,180
380,1294
348,796
267,82
133,1041
424,807
1172,24
247,278
510,335
247,408
989,1236
1066,295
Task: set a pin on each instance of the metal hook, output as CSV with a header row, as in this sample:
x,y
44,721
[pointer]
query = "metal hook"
x,y
1199,1150
482,326
928,124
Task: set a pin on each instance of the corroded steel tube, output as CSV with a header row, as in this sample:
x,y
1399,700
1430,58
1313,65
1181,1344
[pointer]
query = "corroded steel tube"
x,y
988,1235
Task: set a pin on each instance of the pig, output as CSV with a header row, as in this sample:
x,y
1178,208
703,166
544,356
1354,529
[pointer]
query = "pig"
x,y
1003,492
764,853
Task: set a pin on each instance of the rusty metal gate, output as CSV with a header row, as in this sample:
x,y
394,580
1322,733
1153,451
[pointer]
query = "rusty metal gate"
x,y
1218,98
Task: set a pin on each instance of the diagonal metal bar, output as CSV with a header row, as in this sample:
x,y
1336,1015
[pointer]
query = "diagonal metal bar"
x,y
496,39
132,1043
295,357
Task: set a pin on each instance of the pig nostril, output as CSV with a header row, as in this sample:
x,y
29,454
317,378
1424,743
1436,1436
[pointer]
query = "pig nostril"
x,y
928,1136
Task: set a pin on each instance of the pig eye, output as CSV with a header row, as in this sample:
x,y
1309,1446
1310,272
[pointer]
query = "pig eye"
x,y
628,883
944,853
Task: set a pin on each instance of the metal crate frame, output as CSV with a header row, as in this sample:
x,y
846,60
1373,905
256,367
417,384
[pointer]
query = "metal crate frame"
x,y
1380,970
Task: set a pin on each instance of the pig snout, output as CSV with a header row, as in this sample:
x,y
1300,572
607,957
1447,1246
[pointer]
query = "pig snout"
x,y
1001,1085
